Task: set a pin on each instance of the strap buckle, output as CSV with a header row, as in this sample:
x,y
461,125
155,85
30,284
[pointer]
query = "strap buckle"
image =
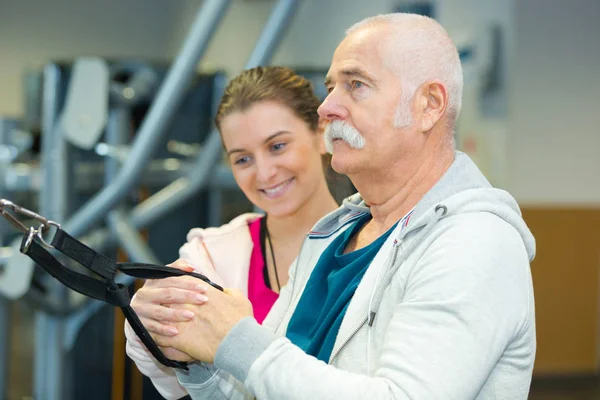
x,y
7,206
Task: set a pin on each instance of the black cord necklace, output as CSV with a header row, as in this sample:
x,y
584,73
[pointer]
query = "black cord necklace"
x,y
268,237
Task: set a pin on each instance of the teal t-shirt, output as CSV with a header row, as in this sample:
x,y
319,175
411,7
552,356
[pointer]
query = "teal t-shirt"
x,y
315,323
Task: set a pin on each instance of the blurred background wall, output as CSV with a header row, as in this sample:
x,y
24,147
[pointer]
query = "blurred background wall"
x,y
535,133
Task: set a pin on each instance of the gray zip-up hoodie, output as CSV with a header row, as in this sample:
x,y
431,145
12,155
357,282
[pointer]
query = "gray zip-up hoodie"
x,y
445,310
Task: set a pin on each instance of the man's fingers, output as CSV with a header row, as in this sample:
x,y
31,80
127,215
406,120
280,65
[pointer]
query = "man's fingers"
x,y
169,295
178,296
160,312
181,282
167,314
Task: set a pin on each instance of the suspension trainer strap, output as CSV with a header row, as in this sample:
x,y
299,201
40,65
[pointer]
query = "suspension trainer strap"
x,y
86,285
103,287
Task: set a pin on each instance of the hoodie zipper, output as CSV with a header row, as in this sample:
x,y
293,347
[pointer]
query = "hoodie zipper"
x,y
371,317
396,245
332,358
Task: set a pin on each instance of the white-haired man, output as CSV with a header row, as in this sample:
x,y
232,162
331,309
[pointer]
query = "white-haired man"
x,y
418,287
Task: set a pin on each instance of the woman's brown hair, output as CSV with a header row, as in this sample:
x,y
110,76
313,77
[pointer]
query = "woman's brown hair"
x,y
278,84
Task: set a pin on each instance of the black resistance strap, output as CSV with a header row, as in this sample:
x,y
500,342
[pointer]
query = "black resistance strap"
x,y
103,288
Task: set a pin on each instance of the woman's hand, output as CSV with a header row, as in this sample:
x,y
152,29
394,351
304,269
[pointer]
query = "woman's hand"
x,y
152,302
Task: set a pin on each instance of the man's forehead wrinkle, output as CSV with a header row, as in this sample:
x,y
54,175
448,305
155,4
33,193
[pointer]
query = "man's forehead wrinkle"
x,y
357,57
362,51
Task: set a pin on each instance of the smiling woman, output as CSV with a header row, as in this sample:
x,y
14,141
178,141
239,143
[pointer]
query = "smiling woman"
x,y
274,142
277,161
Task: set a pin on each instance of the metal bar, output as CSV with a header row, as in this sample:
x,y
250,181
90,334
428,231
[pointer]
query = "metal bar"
x,y
183,189
88,175
49,360
130,239
49,112
5,127
153,128
4,345
117,132
4,303
273,32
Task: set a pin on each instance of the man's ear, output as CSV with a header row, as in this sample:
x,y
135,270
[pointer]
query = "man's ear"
x,y
321,134
431,104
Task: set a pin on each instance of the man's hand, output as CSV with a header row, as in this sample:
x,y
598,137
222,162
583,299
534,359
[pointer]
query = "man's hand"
x,y
153,303
201,336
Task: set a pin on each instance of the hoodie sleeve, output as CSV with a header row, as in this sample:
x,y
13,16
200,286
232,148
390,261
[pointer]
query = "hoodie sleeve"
x,y
164,378
463,302
194,251
205,381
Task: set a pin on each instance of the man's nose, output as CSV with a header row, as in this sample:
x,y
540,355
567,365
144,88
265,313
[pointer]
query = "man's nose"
x,y
332,107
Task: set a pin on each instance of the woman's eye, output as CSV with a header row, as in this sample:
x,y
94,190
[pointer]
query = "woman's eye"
x,y
242,160
278,146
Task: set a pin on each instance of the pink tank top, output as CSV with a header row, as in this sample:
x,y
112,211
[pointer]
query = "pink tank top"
x,y
261,297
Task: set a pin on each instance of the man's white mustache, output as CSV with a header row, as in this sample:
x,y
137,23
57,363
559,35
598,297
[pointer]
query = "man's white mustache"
x,y
339,130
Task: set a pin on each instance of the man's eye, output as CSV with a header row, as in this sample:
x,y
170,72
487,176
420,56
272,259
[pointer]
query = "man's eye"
x,y
356,84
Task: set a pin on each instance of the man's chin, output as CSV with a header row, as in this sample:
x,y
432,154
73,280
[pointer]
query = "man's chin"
x,y
343,162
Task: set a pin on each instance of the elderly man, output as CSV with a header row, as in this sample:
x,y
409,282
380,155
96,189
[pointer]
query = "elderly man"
x,y
418,287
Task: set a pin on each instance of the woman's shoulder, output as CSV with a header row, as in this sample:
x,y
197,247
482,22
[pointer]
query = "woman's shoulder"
x,y
235,226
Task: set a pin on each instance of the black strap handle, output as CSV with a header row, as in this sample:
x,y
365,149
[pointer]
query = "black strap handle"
x,y
92,260
151,271
86,285
104,288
